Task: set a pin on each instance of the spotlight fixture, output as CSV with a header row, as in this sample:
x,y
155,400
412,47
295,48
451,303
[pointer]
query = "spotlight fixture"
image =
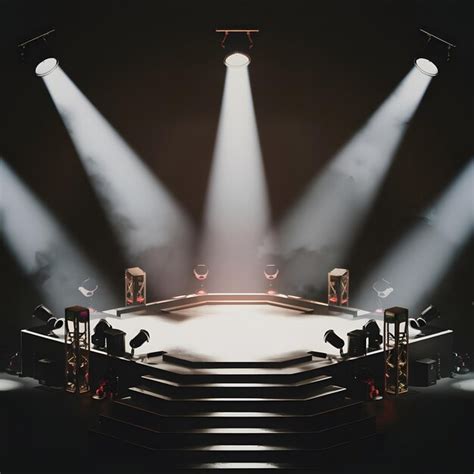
x,y
371,328
98,338
88,287
426,316
201,271
140,339
44,314
271,273
357,343
332,338
383,288
238,46
429,60
37,51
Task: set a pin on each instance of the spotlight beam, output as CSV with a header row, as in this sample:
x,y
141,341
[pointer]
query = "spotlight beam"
x,y
237,211
418,262
146,217
334,207
30,230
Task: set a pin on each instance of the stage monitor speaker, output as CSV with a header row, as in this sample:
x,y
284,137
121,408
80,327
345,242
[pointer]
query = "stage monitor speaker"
x,y
115,342
424,372
357,343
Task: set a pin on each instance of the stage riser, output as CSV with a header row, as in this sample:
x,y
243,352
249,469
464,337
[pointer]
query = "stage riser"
x,y
104,446
295,456
273,378
250,365
183,440
288,391
271,406
336,416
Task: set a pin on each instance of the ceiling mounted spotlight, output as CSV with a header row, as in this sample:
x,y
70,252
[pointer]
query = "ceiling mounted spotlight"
x,y
37,51
430,59
238,46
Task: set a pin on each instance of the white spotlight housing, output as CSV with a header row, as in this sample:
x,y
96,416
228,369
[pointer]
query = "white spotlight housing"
x,y
237,60
426,67
46,66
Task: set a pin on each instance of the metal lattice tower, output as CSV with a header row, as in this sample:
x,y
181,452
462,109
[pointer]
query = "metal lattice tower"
x,y
135,286
395,341
77,344
338,287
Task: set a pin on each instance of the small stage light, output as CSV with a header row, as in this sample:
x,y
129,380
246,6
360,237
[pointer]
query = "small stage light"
x,y
44,314
37,51
432,55
201,271
426,316
98,338
371,328
271,273
238,47
88,287
332,338
237,60
140,339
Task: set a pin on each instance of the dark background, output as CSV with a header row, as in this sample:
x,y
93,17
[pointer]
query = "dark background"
x,y
319,70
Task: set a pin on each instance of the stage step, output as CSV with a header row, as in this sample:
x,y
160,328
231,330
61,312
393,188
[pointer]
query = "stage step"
x,y
299,389
188,361
282,375
301,405
133,411
187,456
235,436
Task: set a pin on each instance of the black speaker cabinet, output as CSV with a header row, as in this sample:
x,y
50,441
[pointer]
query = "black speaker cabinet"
x,y
424,372
357,343
115,341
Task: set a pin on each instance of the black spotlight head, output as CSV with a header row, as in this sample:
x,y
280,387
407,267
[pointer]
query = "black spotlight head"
x,y
99,338
372,330
371,327
44,314
140,339
427,315
415,324
332,338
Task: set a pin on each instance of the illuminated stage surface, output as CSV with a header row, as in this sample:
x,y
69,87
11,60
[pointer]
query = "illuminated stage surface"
x,y
234,331
227,327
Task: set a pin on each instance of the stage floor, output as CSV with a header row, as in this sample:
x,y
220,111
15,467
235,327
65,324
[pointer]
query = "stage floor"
x,y
235,332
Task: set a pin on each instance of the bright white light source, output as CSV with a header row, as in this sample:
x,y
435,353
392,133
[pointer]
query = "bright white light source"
x,y
419,261
152,227
237,60
46,66
237,209
328,216
426,67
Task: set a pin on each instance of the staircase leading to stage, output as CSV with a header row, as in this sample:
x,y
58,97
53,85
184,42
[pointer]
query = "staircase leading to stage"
x,y
204,415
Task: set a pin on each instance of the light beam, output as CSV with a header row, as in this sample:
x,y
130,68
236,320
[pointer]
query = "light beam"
x,y
326,219
416,265
44,250
152,228
237,212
